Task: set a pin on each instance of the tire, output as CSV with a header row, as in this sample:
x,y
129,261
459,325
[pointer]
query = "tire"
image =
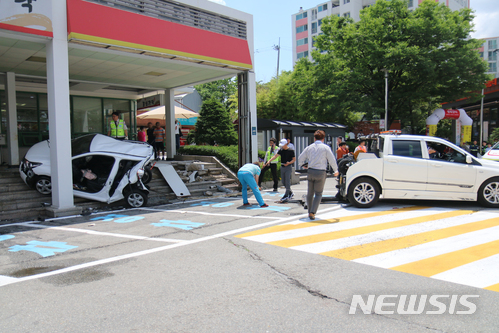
x,y
136,198
488,194
363,193
146,178
44,185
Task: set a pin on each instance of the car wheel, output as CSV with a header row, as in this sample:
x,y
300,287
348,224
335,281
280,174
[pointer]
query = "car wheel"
x,y
363,193
146,178
488,194
136,198
44,185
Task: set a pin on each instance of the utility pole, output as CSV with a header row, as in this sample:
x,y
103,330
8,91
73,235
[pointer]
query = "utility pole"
x,y
278,49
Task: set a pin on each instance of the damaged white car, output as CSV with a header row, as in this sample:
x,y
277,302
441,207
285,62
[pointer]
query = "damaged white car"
x,y
104,169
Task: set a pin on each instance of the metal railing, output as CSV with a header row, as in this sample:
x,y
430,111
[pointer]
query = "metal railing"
x,y
182,14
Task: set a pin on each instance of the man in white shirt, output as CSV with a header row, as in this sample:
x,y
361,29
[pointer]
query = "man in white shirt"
x,y
317,155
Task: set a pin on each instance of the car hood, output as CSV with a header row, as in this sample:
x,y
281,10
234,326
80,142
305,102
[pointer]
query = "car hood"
x,y
39,152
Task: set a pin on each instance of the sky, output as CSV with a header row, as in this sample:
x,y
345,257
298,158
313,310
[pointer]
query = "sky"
x,y
272,21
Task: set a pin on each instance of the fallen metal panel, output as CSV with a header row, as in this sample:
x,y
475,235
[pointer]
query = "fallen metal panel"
x,y
173,180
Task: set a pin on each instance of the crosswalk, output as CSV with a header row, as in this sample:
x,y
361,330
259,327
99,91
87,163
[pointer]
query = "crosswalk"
x,y
460,246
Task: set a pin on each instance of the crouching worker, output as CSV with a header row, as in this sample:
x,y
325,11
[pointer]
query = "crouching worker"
x,y
248,176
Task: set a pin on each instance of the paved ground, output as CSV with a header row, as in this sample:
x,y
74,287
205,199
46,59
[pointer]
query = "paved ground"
x,y
216,266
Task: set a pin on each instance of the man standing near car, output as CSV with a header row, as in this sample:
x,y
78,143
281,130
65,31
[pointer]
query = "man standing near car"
x,y
317,155
287,160
117,127
474,148
150,134
271,151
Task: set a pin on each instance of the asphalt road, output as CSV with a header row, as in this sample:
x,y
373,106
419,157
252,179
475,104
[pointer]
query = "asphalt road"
x,y
213,265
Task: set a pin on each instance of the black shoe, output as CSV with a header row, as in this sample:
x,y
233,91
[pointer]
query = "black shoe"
x,y
291,196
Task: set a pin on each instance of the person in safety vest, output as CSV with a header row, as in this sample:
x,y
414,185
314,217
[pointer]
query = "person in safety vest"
x,y
474,148
271,152
117,127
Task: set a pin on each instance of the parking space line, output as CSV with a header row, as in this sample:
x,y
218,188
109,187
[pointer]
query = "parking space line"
x,y
100,233
4,282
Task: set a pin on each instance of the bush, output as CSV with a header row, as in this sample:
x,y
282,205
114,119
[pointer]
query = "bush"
x,y
228,155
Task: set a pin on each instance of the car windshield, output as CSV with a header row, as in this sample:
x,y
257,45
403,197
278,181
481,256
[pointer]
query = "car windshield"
x,y
81,145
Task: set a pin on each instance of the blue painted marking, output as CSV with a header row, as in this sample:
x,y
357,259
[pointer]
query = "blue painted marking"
x,y
272,208
181,224
49,249
204,203
271,194
223,204
129,219
5,237
108,217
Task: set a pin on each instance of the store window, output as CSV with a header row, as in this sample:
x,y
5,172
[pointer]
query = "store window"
x,y
28,124
87,116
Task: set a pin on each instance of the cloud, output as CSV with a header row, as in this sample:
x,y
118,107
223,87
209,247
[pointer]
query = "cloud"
x,y
220,2
486,18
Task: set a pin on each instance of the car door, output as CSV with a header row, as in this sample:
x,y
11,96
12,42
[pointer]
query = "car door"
x,y
404,168
101,168
449,172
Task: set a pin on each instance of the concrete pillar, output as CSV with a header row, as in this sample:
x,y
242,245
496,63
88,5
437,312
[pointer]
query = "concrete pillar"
x,y
171,149
254,117
248,138
12,136
59,112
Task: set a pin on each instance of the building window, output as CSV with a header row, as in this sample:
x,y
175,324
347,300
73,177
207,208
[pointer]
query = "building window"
x,y
314,27
480,54
314,14
320,22
302,41
347,14
492,44
492,55
302,55
346,1
322,8
301,28
301,16
492,67
410,4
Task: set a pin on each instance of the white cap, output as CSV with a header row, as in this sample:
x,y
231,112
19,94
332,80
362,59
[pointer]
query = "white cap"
x,y
283,142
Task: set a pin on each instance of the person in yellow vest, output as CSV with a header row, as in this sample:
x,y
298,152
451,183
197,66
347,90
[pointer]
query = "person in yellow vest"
x,y
117,127
271,151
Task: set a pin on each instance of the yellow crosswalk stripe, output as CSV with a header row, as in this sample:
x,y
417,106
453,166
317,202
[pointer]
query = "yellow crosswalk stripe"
x,y
444,262
494,287
365,230
287,227
365,250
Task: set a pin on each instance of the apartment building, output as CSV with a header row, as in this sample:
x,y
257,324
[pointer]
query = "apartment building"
x,y
489,51
306,24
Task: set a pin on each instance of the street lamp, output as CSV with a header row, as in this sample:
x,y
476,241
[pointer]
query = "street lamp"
x,y
386,97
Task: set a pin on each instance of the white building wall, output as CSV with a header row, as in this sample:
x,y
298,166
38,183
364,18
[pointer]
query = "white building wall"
x,y
342,8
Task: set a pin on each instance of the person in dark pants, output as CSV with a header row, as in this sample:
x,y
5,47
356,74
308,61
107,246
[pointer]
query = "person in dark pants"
x,y
474,148
317,155
150,134
287,160
271,151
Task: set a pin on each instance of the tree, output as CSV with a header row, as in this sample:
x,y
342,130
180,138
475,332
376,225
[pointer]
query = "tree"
x,y
274,99
221,90
427,53
214,125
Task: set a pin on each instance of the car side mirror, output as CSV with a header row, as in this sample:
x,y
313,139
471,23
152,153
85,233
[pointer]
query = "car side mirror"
x,y
469,160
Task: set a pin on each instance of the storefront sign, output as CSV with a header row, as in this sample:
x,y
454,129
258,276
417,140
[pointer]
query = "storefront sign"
x,y
28,16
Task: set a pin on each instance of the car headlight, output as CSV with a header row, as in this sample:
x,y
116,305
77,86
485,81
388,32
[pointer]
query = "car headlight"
x,y
140,173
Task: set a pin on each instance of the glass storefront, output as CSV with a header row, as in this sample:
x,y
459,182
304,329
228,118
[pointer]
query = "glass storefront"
x,y
88,115
490,121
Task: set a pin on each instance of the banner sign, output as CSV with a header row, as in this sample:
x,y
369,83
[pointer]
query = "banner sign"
x,y
28,16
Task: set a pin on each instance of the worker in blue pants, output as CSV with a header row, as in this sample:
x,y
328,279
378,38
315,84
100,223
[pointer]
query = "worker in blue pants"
x,y
248,176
